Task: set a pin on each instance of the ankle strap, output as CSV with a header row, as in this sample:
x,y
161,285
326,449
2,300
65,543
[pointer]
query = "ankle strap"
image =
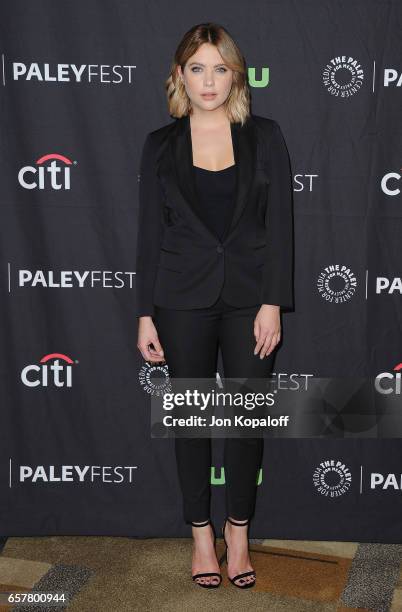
x,y
238,523
200,524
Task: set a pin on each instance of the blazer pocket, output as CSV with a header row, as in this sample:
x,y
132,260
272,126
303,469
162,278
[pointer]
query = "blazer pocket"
x,y
170,260
262,176
262,165
170,251
171,216
260,255
263,199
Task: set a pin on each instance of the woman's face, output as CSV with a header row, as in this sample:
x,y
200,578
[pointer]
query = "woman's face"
x,y
206,73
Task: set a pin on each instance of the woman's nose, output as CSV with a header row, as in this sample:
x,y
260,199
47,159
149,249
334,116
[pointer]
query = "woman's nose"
x,y
208,80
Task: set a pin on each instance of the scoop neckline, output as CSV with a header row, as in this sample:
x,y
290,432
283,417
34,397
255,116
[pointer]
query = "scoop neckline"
x,y
214,171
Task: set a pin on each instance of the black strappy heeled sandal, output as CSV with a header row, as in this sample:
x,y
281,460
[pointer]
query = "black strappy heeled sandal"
x,y
245,585
211,585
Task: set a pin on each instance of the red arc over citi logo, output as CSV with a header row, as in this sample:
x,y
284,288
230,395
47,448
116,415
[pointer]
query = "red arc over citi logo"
x,y
53,175
57,374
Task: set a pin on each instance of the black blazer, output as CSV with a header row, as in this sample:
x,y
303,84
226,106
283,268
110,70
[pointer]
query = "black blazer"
x,y
181,263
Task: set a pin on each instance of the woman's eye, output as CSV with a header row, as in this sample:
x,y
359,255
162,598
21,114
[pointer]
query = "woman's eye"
x,y
197,68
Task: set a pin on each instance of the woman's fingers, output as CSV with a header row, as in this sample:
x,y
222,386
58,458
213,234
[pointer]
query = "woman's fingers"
x,y
266,340
257,336
152,350
148,342
269,345
158,350
267,329
266,344
150,354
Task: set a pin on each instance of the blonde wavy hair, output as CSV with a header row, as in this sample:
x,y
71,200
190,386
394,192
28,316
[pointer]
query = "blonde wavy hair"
x,y
237,104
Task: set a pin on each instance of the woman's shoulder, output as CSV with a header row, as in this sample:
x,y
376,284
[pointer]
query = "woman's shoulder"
x,y
160,132
268,129
155,140
264,122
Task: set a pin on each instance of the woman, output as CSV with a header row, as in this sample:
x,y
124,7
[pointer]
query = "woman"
x,y
214,266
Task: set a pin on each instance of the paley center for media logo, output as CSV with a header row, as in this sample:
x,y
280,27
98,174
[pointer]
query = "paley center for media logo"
x,y
51,171
343,76
53,370
333,478
337,283
154,378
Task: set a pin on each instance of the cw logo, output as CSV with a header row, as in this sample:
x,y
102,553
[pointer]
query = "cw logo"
x,y
220,480
39,176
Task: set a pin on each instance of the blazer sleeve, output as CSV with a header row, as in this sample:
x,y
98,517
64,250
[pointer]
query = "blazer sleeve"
x,y
149,229
277,285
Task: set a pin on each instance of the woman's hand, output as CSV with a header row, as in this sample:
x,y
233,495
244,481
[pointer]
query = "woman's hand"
x,y
267,329
147,335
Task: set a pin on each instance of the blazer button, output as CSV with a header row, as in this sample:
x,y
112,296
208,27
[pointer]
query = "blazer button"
x,y
219,248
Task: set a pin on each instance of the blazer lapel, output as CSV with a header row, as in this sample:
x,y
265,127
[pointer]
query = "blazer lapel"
x,y
176,167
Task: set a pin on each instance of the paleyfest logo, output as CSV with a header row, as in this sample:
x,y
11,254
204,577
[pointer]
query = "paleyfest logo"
x,y
67,279
384,284
337,283
45,175
72,73
332,478
343,76
75,474
54,369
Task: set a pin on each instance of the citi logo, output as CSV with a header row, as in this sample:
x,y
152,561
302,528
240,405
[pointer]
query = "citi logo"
x,y
389,382
54,369
390,183
51,171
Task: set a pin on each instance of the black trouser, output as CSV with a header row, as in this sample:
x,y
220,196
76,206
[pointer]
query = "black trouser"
x,y
190,340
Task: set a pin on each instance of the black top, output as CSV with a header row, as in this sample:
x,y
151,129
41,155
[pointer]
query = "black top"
x,y
216,195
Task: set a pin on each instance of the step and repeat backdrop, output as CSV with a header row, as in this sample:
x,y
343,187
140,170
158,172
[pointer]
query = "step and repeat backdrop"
x,y
81,86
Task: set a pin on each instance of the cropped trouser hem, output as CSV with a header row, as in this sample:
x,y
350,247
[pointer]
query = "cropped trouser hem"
x,y
190,339
242,461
